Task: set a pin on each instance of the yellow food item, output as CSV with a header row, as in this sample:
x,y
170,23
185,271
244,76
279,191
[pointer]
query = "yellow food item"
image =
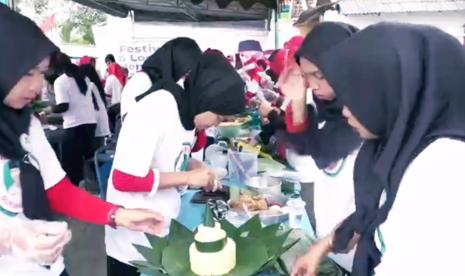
x,y
230,124
237,122
212,263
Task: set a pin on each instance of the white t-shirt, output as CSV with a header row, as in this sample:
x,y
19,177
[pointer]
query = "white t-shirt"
x,y
152,138
424,232
11,204
113,88
334,200
138,84
103,126
81,108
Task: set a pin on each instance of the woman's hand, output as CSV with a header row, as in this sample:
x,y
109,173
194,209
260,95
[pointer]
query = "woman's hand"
x,y
293,84
199,178
308,265
265,108
39,241
142,220
214,184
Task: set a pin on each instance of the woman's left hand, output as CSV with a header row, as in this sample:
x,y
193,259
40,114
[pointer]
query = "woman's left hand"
x,y
143,220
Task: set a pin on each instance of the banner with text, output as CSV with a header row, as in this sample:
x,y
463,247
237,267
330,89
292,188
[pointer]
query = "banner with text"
x,y
132,54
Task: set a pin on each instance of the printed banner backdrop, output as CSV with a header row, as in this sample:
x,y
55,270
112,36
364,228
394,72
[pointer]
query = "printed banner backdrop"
x,y
132,54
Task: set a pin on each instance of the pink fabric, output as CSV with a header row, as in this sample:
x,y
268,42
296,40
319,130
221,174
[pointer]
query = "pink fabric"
x,y
286,56
118,71
86,60
294,43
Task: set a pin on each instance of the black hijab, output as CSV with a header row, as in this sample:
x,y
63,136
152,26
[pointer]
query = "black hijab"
x,y
172,61
405,84
336,139
213,85
89,71
62,64
23,46
168,65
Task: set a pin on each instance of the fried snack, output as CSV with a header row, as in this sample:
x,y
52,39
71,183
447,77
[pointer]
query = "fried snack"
x,y
252,203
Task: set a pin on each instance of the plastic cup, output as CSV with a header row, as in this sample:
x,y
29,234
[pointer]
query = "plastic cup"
x,y
296,212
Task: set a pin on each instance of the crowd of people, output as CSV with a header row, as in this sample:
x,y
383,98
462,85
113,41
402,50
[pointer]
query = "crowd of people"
x,y
379,111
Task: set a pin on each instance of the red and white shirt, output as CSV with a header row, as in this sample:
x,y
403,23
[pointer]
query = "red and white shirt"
x,y
11,208
152,140
64,198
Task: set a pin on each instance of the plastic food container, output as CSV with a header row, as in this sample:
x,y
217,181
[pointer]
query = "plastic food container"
x,y
264,185
216,155
242,165
229,130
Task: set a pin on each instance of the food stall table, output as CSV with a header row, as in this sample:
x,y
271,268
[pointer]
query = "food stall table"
x,y
192,215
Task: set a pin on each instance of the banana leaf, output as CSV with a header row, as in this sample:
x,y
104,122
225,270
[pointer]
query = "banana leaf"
x,y
251,254
180,232
258,249
176,258
289,257
151,255
252,227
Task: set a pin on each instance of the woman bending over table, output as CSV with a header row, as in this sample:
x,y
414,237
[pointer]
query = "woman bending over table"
x,y
402,90
151,166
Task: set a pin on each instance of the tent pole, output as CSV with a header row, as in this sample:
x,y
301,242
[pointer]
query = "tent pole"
x,y
276,26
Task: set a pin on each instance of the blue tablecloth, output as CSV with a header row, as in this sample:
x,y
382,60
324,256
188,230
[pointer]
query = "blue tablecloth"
x,y
192,214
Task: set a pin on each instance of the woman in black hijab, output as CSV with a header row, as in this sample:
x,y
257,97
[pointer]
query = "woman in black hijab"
x,y
402,88
172,62
335,140
27,237
158,135
323,133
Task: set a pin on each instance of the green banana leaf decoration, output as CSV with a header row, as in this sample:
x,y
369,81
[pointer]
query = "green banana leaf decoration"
x,y
259,250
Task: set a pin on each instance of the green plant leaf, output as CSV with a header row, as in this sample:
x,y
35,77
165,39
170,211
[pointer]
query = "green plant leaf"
x,y
209,219
158,245
275,244
275,258
148,268
252,227
230,229
176,258
180,232
151,272
251,255
281,267
271,230
151,255
287,247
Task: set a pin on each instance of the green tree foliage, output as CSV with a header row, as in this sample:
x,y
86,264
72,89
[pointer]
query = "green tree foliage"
x,y
82,21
